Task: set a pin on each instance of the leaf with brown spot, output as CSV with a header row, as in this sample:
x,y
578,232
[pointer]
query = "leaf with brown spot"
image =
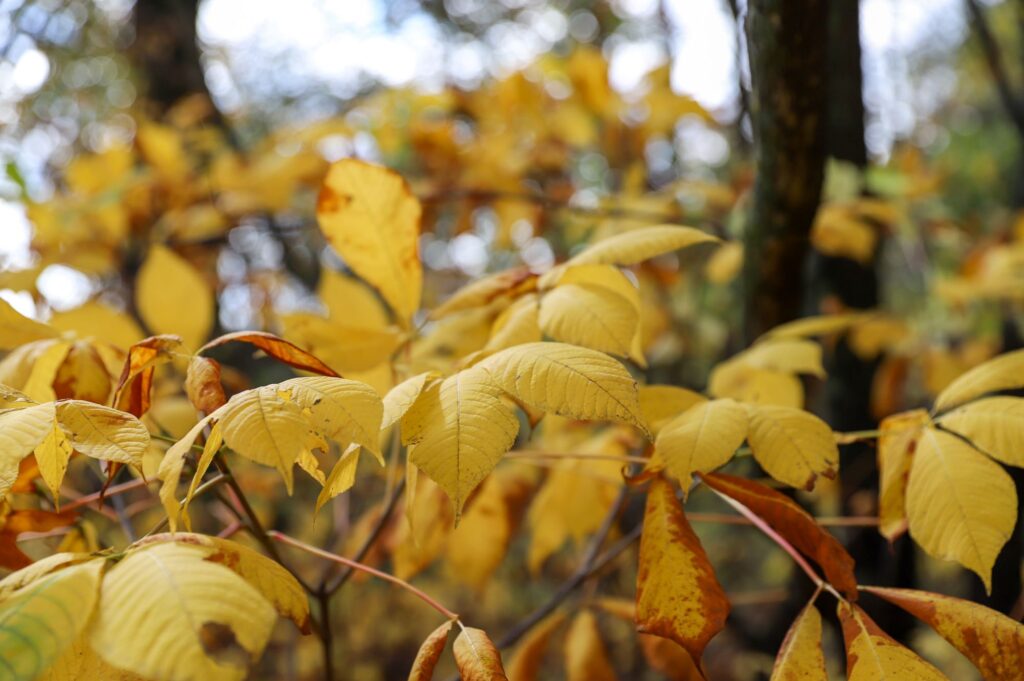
x,y
677,593
795,524
989,639
896,444
476,657
872,655
133,391
275,346
429,653
801,657
792,445
203,386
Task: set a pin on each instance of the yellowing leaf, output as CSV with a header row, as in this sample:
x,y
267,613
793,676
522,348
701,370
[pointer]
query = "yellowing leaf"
x,y
167,597
341,477
480,292
17,329
80,661
173,298
524,665
460,428
701,439
662,403
634,246
39,385
1004,372
896,444
567,380
429,653
745,383
476,657
677,594
400,399
372,219
995,425
592,316
350,302
989,639
585,656
872,655
347,348
52,456
278,348
101,322
517,324
961,505
342,410
816,326
793,446
203,386
796,355
42,620
725,263
801,657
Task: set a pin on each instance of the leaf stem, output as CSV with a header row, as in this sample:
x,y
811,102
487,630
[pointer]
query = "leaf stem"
x,y
326,555
111,491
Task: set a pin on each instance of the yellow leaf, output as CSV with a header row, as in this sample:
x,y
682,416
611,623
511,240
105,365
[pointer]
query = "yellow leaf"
x,y
662,403
872,655
701,439
37,570
400,399
677,594
961,505
346,348
989,639
567,380
168,597
52,456
39,386
103,433
210,449
792,355
341,477
725,263
1004,372
896,444
517,324
995,425
483,291
17,329
476,657
171,466
429,653
525,662
745,383
42,620
173,298
80,661
585,656
21,431
350,302
801,657
372,219
819,325
635,246
341,410
101,322
460,428
793,446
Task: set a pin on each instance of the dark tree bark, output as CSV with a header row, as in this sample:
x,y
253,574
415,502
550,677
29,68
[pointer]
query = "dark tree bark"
x,y
844,131
787,45
165,51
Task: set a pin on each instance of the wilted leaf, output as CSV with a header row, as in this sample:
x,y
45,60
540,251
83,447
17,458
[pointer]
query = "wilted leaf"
x,y
278,348
429,653
134,387
203,386
476,657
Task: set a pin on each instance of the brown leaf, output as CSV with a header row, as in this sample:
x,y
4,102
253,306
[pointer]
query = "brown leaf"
x,y
276,347
203,386
429,653
989,639
477,658
677,593
16,522
133,388
795,524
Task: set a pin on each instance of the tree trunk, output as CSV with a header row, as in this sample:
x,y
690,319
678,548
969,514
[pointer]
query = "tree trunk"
x,y
844,130
165,51
787,45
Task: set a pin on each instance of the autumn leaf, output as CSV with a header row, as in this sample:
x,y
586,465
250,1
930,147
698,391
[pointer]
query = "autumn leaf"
x,y
341,478
796,525
635,246
995,425
793,446
525,662
872,655
947,478
134,387
13,523
278,348
372,219
662,403
701,439
588,315
1000,373
400,399
482,291
17,329
586,658
567,380
460,429
897,441
677,594
173,298
476,657
989,639
745,383
801,657
429,653
203,385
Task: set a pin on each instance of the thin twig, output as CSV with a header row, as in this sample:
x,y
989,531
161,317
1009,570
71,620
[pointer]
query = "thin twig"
x,y
994,59
429,600
111,491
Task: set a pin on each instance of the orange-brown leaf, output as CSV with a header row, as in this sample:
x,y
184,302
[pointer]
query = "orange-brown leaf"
x,y
476,657
203,386
16,522
989,639
429,653
872,655
677,594
135,385
276,347
795,524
